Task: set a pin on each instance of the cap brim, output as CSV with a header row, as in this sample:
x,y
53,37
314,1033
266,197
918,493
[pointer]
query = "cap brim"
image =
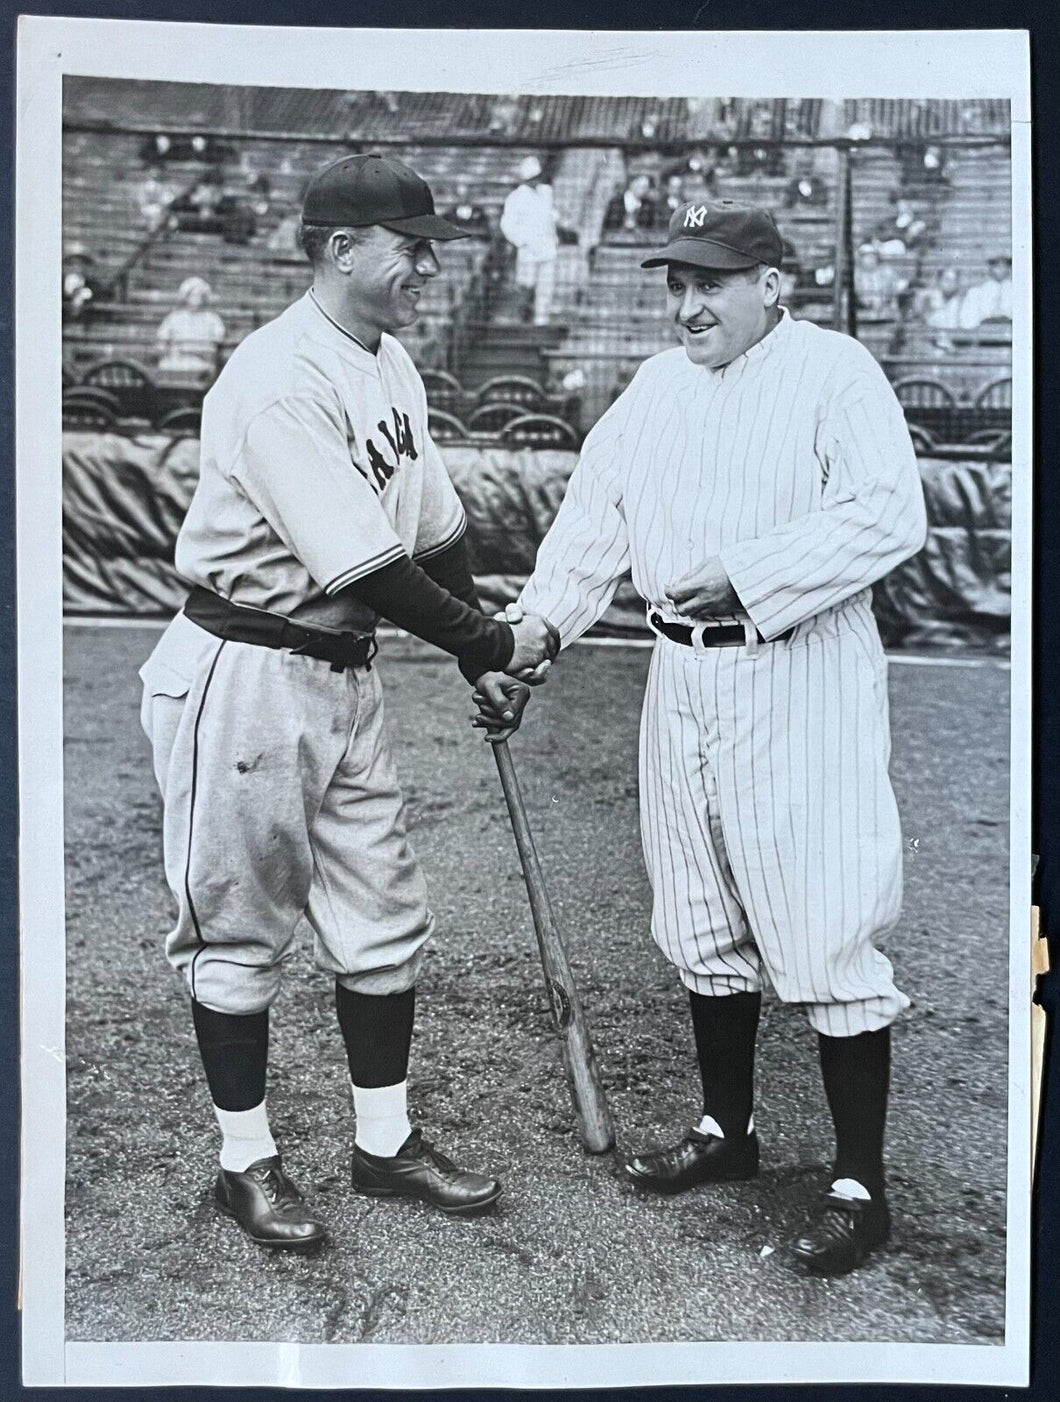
x,y
700,253
427,226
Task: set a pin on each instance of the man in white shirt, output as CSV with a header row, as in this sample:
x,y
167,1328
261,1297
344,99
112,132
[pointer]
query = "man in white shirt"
x,y
991,299
528,221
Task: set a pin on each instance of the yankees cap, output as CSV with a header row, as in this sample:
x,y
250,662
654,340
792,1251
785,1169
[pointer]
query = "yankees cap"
x,y
720,234
357,191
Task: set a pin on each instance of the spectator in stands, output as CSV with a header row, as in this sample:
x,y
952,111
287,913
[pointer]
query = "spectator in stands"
x,y
528,221
759,160
170,147
154,197
673,197
991,299
938,309
922,165
257,192
80,284
806,190
236,218
189,338
877,286
939,305
467,215
238,210
156,148
283,240
633,208
904,231
933,164
196,211
504,119
697,171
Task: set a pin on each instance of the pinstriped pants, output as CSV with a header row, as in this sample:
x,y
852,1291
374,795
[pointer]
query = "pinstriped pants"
x,y
770,828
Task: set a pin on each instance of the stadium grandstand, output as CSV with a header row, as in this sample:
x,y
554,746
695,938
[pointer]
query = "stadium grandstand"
x,y
181,204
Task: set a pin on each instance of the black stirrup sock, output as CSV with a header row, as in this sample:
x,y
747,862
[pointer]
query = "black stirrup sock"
x,y
725,1029
857,1074
377,1030
235,1052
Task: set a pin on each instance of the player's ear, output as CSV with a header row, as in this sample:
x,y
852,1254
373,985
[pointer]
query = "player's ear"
x,y
340,249
771,287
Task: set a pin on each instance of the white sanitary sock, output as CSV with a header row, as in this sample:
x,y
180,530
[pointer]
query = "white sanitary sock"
x,y
382,1118
709,1125
246,1137
851,1188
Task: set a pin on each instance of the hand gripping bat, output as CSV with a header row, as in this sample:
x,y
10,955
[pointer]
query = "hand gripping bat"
x,y
595,1128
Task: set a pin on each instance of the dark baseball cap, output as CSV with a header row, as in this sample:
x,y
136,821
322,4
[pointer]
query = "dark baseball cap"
x,y
357,191
720,234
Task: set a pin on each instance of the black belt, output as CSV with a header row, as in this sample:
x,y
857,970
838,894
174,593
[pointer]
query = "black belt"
x,y
714,634
247,625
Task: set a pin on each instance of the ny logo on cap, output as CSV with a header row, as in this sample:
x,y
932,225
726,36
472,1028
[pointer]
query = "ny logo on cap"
x,y
694,216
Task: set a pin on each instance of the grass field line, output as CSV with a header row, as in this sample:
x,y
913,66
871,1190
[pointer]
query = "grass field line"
x,y
911,659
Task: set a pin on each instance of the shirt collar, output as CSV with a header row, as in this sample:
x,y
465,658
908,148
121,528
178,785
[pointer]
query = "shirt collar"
x,y
770,342
344,340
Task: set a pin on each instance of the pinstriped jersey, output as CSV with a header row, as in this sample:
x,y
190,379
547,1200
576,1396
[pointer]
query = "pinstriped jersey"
x,y
316,468
792,464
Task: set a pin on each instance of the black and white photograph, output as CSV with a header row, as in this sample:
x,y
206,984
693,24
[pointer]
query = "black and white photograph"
x,y
525,734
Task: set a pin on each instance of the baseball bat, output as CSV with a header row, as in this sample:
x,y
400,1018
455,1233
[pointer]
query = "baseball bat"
x,y
595,1128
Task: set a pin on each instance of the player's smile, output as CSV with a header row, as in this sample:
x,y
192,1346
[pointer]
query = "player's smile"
x,y
392,271
718,313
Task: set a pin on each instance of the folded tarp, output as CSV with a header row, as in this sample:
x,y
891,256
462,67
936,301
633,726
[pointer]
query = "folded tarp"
x,y
124,499
958,589
123,502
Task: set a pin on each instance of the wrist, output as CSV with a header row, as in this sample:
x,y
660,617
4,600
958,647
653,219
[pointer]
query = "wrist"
x,y
494,657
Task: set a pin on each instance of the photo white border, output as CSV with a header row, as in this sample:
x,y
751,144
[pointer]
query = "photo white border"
x,y
922,63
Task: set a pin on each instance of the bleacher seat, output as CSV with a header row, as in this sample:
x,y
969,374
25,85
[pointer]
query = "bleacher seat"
x,y
494,415
538,431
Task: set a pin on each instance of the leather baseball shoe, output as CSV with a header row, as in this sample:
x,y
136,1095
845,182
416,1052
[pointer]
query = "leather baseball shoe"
x,y
418,1170
848,1229
269,1207
699,1158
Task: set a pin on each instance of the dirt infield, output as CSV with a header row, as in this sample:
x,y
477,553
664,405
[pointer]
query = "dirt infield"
x,y
571,1255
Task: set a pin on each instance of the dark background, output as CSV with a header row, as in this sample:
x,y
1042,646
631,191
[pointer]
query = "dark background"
x,y
618,14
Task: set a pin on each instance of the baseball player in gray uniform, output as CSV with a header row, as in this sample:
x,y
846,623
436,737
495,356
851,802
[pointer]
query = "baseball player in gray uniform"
x,y
322,505
756,480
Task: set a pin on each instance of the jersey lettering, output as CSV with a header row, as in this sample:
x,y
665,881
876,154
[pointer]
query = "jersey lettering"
x,y
402,444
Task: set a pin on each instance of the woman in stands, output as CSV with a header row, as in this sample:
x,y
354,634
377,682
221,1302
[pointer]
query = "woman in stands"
x,y
189,337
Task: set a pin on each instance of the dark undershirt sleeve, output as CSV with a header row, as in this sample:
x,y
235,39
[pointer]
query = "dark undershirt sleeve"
x,y
410,598
451,569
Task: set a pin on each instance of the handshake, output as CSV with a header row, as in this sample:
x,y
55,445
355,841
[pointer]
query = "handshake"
x,y
501,697
536,644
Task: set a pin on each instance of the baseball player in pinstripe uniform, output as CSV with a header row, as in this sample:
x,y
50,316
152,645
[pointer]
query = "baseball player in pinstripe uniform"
x,y
322,505
756,481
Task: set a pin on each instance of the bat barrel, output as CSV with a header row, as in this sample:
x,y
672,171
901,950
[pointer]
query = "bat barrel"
x,y
595,1126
